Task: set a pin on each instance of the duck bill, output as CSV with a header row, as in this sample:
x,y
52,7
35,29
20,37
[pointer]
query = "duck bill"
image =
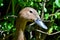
x,y
40,23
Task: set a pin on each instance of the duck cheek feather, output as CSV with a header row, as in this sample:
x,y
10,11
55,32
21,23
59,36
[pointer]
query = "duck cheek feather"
x,y
40,23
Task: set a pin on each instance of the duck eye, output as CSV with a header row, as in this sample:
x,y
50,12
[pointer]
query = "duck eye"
x,y
31,12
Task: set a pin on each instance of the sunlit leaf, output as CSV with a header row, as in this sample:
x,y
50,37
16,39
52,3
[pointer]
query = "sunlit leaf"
x,y
57,15
45,9
1,3
31,3
46,16
57,2
50,30
37,0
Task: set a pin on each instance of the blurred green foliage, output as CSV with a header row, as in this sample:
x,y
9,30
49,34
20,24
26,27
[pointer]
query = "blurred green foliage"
x,y
57,2
1,3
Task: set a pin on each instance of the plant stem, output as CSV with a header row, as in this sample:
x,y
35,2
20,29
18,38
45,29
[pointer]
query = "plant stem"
x,y
13,7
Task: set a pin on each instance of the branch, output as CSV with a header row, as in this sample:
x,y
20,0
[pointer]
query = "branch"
x,y
47,33
57,10
14,16
42,15
8,7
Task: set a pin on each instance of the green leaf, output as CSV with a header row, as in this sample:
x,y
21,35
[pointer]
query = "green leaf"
x,y
9,26
57,15
37,0
57,2
46,16
39,12
55,27
31,3
45,10
50,30
1,3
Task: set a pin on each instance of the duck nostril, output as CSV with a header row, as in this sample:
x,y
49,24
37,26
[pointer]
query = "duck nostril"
x,y
38,19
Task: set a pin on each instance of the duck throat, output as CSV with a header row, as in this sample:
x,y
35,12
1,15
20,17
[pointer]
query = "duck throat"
x,y
20,27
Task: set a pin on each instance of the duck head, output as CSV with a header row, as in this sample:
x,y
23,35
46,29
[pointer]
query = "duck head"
x,y
30,14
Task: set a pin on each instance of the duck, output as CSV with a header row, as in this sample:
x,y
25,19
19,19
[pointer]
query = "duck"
x,y
27,14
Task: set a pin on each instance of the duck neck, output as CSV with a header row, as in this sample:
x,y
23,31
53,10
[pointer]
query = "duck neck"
x,y
20,27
